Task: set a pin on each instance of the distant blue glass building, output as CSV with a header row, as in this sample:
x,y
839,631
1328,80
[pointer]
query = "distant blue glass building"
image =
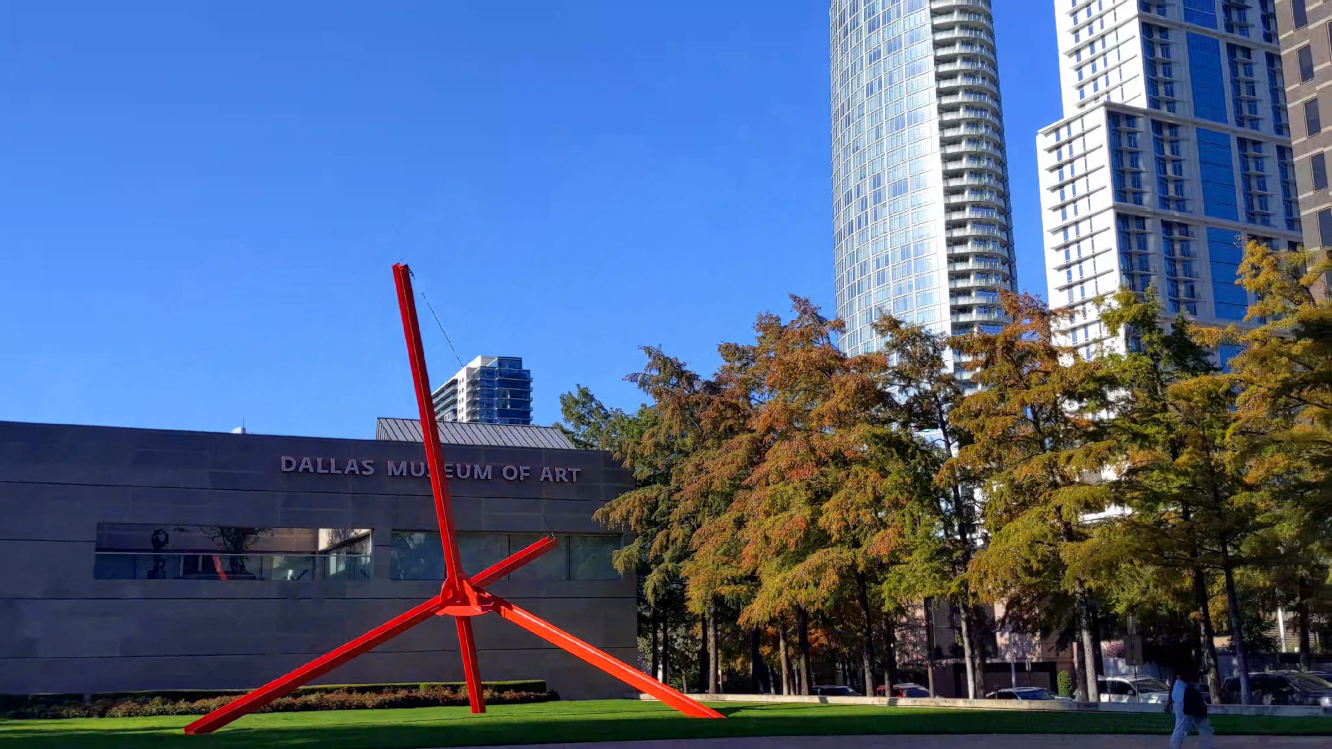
x,y
1174,152
489,390
921,214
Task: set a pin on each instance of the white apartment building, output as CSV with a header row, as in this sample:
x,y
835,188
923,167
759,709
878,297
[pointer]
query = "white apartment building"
x,y
1173,151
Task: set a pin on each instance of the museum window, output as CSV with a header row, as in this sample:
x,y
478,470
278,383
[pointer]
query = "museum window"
x,y
418,555
139,551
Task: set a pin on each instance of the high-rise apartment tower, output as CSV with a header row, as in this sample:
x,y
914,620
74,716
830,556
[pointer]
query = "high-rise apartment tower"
x,y
1305,28
1174,151
490,390
921,213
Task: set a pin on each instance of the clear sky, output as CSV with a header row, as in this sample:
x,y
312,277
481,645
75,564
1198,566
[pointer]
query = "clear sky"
x,y
200,201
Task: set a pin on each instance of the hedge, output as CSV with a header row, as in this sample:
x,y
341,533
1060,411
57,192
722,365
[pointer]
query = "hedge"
x,y
322,697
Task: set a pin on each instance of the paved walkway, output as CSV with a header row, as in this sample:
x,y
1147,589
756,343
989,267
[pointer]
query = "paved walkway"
x,y
988,741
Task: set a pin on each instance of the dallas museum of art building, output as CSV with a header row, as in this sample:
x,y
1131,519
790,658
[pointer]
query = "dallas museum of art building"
x,y
142,559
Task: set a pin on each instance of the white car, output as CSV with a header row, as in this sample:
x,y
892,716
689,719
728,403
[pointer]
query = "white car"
x,y
1142,689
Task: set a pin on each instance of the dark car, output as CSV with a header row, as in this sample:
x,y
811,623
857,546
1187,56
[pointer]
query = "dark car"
x,y
1021,693
836,691
1204,690
906,689
1282,688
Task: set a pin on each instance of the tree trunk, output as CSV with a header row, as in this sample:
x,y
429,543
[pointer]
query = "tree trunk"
x,y
1236,629
867,637
714,687
703,653
1206,635
1098,659
785,658
802,641
758,671
890,653
665,646
978,628
929,643
656,662
1302,612
968,657
1087,639
1079,686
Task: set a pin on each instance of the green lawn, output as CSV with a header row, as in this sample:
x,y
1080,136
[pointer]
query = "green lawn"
x,y
588,721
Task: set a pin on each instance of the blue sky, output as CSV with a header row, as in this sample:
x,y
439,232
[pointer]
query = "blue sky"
x,y
201,201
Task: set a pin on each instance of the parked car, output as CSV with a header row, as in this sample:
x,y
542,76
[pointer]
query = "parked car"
x,y
1282,688
1141,689
1202,689
906,689
1022,693
829,690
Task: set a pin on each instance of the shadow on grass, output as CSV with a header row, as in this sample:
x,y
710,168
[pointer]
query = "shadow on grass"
x,y
612,725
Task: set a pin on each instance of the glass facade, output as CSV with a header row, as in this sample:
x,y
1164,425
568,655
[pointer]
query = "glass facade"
x,y
489,390
1218,175
1224,253
417,555
1188,154
920,184
1209,95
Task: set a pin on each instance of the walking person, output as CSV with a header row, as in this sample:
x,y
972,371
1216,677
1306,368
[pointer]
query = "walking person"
x,y
1190,709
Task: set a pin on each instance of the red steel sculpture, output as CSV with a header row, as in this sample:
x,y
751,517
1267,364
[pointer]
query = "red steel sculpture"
x,y
462,597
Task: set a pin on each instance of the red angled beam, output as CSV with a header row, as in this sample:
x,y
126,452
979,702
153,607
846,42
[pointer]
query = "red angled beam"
x,y
498,570
467,647
613,666
314,669
402,276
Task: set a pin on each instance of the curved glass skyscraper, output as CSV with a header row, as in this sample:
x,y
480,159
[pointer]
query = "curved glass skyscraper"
x,y
921,213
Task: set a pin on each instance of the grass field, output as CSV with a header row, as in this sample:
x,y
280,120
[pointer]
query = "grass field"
x,y
590,721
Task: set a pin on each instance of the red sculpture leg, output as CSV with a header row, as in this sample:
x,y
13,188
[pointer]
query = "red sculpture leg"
x,y
500,569
285,685
631,676
439,484
467,647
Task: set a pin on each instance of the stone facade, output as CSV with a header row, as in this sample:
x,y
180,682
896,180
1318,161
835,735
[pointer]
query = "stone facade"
x,y
63,630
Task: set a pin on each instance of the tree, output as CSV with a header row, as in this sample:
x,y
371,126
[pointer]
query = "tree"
x,y
654,445
1283,424
1038,450
810,520
939,521
1147,425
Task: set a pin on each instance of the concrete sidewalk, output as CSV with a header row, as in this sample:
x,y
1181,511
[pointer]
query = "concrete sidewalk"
x,y
989,741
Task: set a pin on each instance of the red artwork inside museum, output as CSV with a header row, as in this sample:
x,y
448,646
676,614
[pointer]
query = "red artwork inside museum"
x,y
462,597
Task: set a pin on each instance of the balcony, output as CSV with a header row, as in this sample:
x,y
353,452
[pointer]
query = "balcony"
x,y
971,300
976,213
977,263
951,4
963,19
979,316
966,66
956,49
971,282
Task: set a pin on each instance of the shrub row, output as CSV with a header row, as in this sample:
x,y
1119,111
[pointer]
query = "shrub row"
x,y
360,697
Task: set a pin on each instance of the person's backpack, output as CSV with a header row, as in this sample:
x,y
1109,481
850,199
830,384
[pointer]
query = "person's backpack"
x,y
1194,706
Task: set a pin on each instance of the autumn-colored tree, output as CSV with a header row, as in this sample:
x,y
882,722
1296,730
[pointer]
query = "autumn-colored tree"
x,y
1158,534
665,437
938,523
1283,424
814,504
1038,450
